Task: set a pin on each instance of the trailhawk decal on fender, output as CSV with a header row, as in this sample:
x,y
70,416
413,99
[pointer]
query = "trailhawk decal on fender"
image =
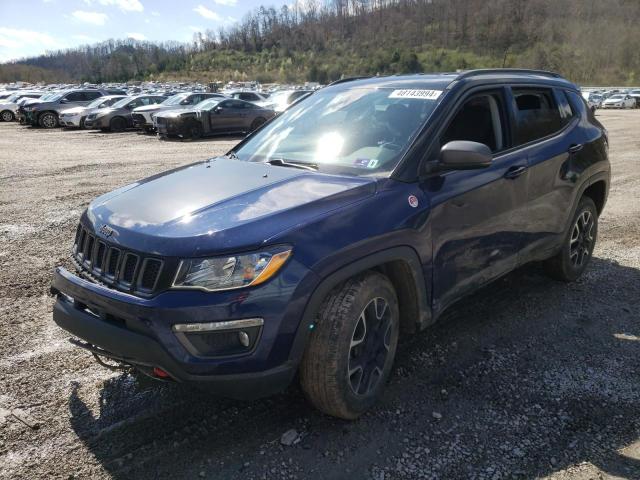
x,y
418,94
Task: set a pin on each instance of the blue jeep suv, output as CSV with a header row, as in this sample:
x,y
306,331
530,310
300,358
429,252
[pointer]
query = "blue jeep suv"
x,y
364,210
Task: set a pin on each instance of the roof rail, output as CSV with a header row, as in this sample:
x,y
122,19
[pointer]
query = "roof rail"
x,y
469,73
347,79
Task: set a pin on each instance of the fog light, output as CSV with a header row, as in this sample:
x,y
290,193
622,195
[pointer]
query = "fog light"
x,y
219,339
244,339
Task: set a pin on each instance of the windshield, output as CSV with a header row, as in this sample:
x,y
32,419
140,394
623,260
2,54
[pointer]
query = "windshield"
x,y
176,99
208,104
55,96
13,98
97,102
122,103
360,131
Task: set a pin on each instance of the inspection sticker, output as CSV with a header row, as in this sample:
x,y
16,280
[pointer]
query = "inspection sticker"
x,y
419,94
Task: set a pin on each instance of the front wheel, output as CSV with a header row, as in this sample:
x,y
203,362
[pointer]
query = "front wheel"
x,y
48,120
117,124
352,347
6,116
578,245
257,123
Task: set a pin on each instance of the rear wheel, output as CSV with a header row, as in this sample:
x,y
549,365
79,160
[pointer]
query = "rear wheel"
x,y
351,350
6,116
48,120
117,124
578,245
257,123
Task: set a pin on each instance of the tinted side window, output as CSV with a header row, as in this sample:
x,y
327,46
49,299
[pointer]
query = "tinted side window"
x,y
566,112
480,119
537,114
92,95
75,97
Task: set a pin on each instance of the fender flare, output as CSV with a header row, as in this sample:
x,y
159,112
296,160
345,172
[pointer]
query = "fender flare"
x,y
403,253
600,176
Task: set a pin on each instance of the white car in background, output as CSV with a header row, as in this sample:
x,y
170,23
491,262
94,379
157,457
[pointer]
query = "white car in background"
x,y
635,93
9,106
619,100
74,117
594,100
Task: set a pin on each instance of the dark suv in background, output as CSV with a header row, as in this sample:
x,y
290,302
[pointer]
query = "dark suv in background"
x,y
362,211
46,113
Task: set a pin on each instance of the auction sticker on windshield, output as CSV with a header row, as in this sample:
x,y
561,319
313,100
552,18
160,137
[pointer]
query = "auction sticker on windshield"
x,y
419,94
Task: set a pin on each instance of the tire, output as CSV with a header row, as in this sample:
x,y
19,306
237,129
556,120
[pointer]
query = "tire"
x,y
257,123
577,248
81,123
6,116
193,130
344,340
48,120
117,124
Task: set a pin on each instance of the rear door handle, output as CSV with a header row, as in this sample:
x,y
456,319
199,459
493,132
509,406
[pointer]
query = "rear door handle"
x,y
515,172
575,148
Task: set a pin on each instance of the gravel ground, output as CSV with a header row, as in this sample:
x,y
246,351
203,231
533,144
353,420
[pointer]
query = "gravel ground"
x,y
528,378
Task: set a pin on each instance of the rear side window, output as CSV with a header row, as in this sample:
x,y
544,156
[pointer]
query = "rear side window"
x,y
566,112
537,115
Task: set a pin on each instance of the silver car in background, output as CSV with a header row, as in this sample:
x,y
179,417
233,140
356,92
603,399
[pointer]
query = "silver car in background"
x,y
9,105
75,117
143,116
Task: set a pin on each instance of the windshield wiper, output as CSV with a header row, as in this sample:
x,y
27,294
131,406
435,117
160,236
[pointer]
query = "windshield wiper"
x,y
281,162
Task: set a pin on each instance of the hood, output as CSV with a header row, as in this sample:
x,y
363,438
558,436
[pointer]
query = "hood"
x,y
149,108
220,205
31,102
74,110
176,112
614,100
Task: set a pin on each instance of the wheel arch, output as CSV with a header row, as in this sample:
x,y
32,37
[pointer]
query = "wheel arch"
x,y
403,268
597,191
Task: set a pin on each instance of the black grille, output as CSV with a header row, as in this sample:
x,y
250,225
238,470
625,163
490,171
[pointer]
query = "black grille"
x,y
114,266
138,119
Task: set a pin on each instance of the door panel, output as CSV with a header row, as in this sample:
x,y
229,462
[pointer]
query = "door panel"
x,y
477,217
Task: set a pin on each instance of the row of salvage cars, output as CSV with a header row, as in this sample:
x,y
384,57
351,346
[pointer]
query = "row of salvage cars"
x,y
184,115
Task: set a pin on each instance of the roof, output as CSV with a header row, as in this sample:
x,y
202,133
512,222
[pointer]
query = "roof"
x,y
441,81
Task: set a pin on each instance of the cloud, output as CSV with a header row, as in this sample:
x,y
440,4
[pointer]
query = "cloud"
x,y
90,17
228,3
136,36
206,13
17,43
124,5
83,38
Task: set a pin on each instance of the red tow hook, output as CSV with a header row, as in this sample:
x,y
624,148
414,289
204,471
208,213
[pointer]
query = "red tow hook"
x,y
158,372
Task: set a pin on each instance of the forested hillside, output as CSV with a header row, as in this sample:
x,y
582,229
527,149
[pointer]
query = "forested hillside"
x,y
589,41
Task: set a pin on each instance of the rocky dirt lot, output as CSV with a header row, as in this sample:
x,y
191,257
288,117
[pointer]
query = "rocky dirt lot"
x,y
529,378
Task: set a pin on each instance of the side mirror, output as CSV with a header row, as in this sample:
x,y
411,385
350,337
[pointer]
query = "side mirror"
x,y
64,100
217,109
465,155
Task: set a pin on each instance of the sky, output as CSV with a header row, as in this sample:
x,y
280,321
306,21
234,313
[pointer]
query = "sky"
x,y
31,27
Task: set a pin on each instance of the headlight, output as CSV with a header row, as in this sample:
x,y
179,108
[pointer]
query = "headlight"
x,y
229,272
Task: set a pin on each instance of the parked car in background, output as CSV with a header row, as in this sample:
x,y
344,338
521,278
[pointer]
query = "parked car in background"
x,y
142,116
305,250
75,117
9,105
117,117
594,100
45,113
212,116
281,100
247,96
636,96
24,103
619,100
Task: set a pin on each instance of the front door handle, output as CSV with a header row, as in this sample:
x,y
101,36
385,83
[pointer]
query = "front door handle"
x,y
515,172
575,148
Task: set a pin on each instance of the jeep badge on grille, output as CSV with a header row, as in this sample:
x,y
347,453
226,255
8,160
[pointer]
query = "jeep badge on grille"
x,y
106,230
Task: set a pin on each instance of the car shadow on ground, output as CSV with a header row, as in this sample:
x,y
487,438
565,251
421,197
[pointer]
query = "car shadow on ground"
x,y
139,430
